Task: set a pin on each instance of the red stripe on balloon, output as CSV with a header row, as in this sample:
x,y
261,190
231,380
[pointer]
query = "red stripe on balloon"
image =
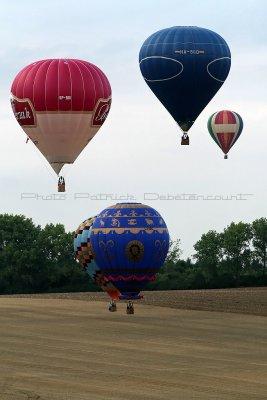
x,y
225,140
225,117
128,278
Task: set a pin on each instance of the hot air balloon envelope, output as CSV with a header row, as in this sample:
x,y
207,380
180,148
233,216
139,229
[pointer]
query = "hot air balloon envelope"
x,y
130,243
60,104
225,127
185,66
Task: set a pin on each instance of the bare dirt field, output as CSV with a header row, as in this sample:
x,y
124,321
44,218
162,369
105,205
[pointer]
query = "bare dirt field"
x,y
68,346
242,301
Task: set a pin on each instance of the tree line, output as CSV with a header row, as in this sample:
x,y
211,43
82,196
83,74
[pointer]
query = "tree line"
x,y
38,260
232,258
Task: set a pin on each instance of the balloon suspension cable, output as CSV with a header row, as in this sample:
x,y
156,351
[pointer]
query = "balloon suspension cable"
x,y
45,164
65,170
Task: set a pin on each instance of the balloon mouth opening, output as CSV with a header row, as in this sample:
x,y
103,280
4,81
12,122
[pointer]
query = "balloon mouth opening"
x,y
131,296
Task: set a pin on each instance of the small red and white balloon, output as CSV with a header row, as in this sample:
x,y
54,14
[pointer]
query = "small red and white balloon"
x,y
225,127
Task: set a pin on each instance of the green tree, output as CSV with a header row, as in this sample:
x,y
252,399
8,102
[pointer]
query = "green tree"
x,y
209,252
173,256
58,269
174,252
38,260
259,241
236,244
18,253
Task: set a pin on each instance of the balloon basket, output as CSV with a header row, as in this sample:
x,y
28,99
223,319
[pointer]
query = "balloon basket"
x,y
185,141
61,187
112,308
225,156
130,310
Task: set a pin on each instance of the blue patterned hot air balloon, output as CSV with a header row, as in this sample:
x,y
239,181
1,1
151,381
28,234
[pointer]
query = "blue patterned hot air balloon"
x,y
130,243
185,66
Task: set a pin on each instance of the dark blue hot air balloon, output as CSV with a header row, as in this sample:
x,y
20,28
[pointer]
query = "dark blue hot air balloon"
x,y
185,66
130,243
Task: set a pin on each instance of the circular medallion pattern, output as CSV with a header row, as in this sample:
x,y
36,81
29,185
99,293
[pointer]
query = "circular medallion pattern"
x,y
134,250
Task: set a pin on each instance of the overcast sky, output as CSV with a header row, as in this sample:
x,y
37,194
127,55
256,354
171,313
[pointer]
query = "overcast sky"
x,y
137,152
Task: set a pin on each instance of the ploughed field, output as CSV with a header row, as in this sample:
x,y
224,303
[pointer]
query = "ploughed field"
x,y
241,300
179,345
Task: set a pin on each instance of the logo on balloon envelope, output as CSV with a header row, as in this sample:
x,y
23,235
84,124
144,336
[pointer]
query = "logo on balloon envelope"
x,y
135,250
23,111
101,111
